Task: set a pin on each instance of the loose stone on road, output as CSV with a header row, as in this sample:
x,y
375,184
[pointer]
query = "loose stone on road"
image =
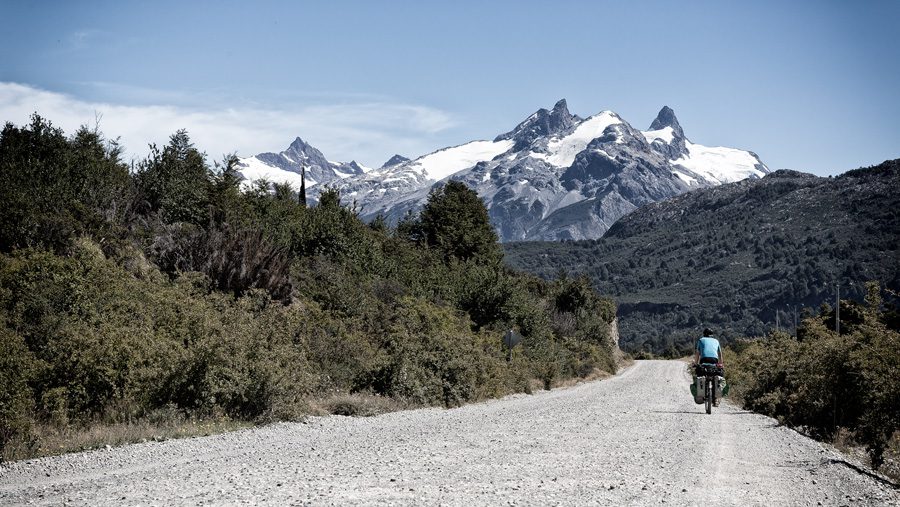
x,y
635,439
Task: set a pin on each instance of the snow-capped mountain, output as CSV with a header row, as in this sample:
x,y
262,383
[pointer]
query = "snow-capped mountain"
x,y
289,165
554,176
558,176
715,165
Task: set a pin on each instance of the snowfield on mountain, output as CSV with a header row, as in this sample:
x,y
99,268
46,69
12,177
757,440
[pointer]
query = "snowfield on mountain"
x,y
554,176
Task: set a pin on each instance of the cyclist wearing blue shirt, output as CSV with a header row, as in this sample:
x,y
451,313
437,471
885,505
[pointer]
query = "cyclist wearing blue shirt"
x,y
709,351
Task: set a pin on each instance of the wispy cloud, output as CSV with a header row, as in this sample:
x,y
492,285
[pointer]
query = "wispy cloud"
x,y
367,131
83,36
77,41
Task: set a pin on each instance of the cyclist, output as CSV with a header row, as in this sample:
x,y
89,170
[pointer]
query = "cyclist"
x,y
708,351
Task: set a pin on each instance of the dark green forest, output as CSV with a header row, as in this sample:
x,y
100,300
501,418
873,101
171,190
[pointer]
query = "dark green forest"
x,y
744,258
129,293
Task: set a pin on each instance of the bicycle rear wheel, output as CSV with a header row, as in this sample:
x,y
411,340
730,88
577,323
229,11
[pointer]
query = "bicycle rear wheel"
x,y
709,395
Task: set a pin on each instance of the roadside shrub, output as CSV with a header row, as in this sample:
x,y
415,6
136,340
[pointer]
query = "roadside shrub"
x,y
244,364
234,260
487,293
342,351
826,381
16,397
335,286
432,356
53,188
878,362
110,340
170,292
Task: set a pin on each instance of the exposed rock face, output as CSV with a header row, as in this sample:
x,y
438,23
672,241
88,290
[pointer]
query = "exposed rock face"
x,y
395,160
554,176
676,147
543,123
287,166
565,177
614,340
666,118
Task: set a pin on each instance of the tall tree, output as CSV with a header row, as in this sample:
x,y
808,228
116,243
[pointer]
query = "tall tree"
x,y
302,195
455,220
174,181
35,187
53,188
225,199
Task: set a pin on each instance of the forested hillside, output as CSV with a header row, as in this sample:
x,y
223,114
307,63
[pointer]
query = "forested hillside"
x,y
742,258
162,291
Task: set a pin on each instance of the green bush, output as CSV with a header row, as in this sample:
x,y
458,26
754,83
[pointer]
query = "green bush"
x,y
173,181
455,222
432,356
171,291
824,381
16,397
108,339
54,189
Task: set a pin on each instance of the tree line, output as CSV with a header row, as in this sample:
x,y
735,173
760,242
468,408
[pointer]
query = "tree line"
x,y
166,286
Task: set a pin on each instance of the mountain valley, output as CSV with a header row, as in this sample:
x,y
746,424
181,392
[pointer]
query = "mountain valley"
x,y
744,257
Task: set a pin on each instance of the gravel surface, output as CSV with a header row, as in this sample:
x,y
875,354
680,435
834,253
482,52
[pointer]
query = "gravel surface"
x,y
634,439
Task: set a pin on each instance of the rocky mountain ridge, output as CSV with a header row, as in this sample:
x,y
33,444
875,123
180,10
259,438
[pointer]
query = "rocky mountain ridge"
x,y
300,160
555,176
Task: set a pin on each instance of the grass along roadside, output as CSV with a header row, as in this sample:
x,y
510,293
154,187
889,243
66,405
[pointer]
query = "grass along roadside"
x,y
53,439
843,443
48,439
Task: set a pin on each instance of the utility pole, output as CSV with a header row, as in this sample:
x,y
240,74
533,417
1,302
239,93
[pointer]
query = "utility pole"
x,y
837,310
777,322
795,321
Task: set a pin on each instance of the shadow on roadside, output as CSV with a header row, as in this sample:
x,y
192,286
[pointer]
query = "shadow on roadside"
x,y
700,412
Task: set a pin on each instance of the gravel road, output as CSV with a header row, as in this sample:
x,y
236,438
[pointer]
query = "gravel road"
x,y
634,439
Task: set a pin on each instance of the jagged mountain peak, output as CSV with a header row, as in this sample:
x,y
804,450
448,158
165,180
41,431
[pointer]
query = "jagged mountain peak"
x,y
299,144
541,123
300,163
395,160
561,108
666,135
667,118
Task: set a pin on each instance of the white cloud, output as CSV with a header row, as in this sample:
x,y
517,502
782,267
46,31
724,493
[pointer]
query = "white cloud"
x,y
368,131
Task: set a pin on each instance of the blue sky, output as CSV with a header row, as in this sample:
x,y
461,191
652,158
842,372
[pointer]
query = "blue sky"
x,y
813,86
